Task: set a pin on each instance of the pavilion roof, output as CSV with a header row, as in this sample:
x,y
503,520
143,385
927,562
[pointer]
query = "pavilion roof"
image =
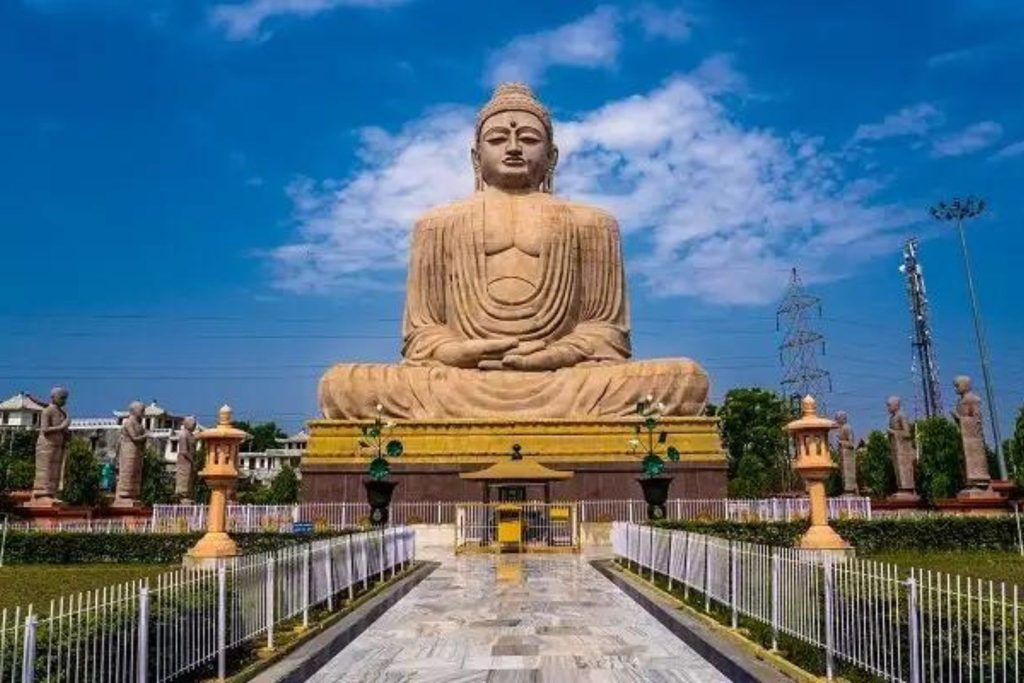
x,y
517,470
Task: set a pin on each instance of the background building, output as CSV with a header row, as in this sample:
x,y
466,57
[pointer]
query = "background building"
x,y
21,411
265,465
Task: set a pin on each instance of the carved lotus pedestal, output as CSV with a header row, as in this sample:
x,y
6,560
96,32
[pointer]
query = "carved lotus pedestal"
x,y
436,452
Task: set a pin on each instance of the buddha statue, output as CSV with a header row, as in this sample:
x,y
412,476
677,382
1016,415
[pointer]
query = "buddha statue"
x,y
516,303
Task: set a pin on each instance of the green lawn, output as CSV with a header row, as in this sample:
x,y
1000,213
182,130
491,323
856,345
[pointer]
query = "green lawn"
x,y
981,564
21,584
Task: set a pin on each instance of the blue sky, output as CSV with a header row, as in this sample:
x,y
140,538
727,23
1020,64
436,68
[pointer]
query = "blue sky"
x,y
205,202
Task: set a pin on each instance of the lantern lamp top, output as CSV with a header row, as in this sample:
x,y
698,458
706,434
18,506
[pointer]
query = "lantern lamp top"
x,y
224,429
810,420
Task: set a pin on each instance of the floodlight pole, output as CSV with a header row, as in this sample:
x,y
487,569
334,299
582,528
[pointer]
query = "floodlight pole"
x,y
957,211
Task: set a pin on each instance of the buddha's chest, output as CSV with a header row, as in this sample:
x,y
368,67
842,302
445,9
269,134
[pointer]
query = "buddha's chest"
x,y
513,241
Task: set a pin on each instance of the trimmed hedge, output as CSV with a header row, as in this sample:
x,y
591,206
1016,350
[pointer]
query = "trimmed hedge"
x,y
945,532
141,548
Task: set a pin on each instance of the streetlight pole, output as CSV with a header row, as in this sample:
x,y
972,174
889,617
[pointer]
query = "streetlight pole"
x,y
957,211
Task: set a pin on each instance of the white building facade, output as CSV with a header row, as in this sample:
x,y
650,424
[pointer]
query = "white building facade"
x,y
268,464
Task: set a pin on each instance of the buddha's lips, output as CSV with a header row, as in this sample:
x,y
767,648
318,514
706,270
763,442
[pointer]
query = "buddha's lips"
x,y
514,161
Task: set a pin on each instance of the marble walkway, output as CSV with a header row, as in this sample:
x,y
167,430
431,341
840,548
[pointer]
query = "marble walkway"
x,y
513,618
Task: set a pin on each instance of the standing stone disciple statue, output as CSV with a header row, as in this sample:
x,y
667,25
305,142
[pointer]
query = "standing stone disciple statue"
x,y
130,453
847,454
516,301
185,471
51,447
904,453
968,417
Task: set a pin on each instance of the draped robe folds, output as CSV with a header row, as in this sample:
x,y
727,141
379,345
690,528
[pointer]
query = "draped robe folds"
x,y
579,309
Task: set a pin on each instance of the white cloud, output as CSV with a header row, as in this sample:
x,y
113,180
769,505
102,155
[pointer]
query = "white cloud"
x,y
913,121
590,42
244,21
658,22
971,139
1015,149
721,210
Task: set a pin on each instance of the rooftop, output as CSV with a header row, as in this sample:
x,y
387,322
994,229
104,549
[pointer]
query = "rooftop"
x,y
22,401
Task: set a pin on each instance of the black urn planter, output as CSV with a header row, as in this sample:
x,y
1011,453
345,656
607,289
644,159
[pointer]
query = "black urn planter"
x,y
655,495
378,494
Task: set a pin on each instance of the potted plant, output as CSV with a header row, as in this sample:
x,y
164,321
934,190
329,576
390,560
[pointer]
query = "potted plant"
x,y
654,484
379,487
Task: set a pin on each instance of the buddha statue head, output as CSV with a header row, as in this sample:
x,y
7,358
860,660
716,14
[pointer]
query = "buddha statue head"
x,y
514,148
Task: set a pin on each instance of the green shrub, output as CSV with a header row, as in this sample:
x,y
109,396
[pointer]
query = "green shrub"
x,y
157,482
284,488
875,471
940,468
130,548
936,532
81,475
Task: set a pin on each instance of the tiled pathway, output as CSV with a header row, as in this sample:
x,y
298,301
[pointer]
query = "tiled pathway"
x,y
538,619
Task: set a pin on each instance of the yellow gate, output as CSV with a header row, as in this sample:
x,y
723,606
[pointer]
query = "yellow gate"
x,y
517,527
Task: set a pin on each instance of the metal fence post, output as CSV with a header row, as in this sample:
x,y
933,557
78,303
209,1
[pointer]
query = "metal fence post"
x,y
914,635
671,538
733,578
28,650
775,599
829,620
143,669
305,586
652,553
222,622
380,553
707,575
271,567
329,569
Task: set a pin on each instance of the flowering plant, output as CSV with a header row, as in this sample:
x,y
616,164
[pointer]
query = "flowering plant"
x,y
373,440
650,414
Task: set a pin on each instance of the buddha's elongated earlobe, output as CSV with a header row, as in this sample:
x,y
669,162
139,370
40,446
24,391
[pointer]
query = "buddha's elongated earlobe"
x,y
478,179
548,184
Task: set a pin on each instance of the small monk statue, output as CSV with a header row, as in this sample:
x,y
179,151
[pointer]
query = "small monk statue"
x,y
904,452
51,446
131,450
968,417
847,454
184,474
516,301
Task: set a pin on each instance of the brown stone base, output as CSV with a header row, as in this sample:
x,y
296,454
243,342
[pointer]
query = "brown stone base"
x,y
436,452
441,482
988,505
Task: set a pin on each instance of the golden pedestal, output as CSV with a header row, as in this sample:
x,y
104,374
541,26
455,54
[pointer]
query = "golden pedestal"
x,y
436,452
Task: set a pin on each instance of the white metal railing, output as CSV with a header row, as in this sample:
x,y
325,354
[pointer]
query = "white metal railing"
x,y
184,621
925,626
336,516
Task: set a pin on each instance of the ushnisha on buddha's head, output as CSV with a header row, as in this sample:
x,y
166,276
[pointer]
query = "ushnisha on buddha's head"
x,y
514,148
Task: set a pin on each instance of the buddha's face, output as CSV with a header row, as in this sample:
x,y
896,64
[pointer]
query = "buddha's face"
x,y
514,151
893,404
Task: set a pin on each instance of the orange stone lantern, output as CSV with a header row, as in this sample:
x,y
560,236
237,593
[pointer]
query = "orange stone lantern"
x,y
221,474
814,465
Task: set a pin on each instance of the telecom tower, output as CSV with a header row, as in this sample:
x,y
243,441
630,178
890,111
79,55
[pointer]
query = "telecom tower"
x,y
924,352
798,352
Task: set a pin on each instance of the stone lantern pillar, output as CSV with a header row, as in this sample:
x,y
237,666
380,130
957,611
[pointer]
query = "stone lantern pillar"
x,y
814,464
221,475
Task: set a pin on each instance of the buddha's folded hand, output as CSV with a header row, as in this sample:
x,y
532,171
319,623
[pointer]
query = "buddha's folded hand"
x,y
469,352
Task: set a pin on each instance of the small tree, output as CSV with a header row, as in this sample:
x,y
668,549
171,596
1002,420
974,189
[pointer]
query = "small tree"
x,y
264,435
157,482
874,466
1013,449
753,424
81,475
752,479
284,488
17,459
940,473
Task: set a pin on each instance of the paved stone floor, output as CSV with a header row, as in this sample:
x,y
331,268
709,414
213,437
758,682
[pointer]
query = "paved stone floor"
x,y
538,619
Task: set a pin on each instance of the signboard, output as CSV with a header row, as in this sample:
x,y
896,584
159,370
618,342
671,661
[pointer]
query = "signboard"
x,y
302,528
